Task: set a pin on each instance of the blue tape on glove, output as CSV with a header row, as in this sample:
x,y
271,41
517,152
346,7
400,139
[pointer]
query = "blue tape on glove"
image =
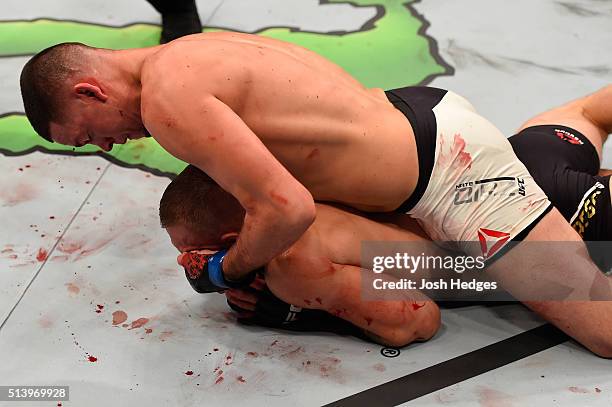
x,y
215,269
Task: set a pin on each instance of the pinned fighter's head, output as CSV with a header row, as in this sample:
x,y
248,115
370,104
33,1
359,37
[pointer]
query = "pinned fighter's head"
x,y
76,95
198,214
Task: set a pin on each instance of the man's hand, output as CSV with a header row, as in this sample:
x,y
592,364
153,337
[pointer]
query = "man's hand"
x,y
257,305
204,271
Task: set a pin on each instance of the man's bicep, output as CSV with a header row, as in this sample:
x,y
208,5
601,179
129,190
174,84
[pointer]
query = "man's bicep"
x,y
209,135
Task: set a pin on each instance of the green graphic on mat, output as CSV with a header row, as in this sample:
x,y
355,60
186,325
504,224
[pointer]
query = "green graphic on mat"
x,y
389,54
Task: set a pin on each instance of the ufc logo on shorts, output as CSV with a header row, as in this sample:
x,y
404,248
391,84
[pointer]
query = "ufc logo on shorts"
x,y
475,191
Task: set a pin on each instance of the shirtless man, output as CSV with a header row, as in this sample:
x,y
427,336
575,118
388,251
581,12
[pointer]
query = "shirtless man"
x,y
192,199
276,125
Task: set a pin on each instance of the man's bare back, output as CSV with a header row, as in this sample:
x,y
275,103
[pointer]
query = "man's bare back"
x,y
338,138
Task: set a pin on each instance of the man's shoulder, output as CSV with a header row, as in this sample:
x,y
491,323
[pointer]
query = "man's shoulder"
x,y
163,61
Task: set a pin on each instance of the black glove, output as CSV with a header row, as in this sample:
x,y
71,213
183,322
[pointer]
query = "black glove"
x,y
272,312
205,272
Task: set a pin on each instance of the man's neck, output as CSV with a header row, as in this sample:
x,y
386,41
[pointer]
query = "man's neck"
x,y
122,73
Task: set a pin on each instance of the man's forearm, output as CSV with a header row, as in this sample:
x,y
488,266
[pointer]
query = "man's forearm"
x,y
263,237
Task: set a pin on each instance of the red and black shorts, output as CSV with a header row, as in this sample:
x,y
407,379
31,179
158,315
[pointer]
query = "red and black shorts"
x,y
565,165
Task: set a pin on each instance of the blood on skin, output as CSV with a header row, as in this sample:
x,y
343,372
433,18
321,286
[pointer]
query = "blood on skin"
x,y
319,300
368,320
313,154
169,122
416,306
307,302
279,198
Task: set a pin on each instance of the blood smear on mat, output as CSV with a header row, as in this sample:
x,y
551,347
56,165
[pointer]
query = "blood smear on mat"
x,y
119,317
41,255
139,323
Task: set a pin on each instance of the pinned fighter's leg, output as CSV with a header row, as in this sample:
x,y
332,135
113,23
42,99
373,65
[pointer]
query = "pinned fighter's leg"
x,y
591,115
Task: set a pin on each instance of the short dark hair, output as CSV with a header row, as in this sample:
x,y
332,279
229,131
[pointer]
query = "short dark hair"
x,y
42,80
195,200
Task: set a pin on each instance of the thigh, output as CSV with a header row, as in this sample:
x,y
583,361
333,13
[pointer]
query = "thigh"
x,y
541,275
571,115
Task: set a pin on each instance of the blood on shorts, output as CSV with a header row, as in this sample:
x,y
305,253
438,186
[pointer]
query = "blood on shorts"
x,y
456,157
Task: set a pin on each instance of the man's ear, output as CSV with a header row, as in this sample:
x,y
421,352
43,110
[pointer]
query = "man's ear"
x,y
230,237
88,90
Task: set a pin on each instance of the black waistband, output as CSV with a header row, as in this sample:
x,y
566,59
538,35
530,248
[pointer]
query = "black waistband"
x,y
416,103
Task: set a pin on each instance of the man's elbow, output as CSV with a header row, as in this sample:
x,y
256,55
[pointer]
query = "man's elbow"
x,y
299,211
420,330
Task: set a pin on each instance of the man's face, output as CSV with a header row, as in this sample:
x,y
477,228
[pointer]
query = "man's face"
x,y
98,124
186,239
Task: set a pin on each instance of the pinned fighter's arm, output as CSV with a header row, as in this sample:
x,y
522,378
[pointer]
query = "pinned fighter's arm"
x,y
202,130
306,277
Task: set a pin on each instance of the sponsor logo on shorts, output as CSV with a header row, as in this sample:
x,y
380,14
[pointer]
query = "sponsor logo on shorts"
x,y
293,314
491,241
476,191
587,209
567,136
